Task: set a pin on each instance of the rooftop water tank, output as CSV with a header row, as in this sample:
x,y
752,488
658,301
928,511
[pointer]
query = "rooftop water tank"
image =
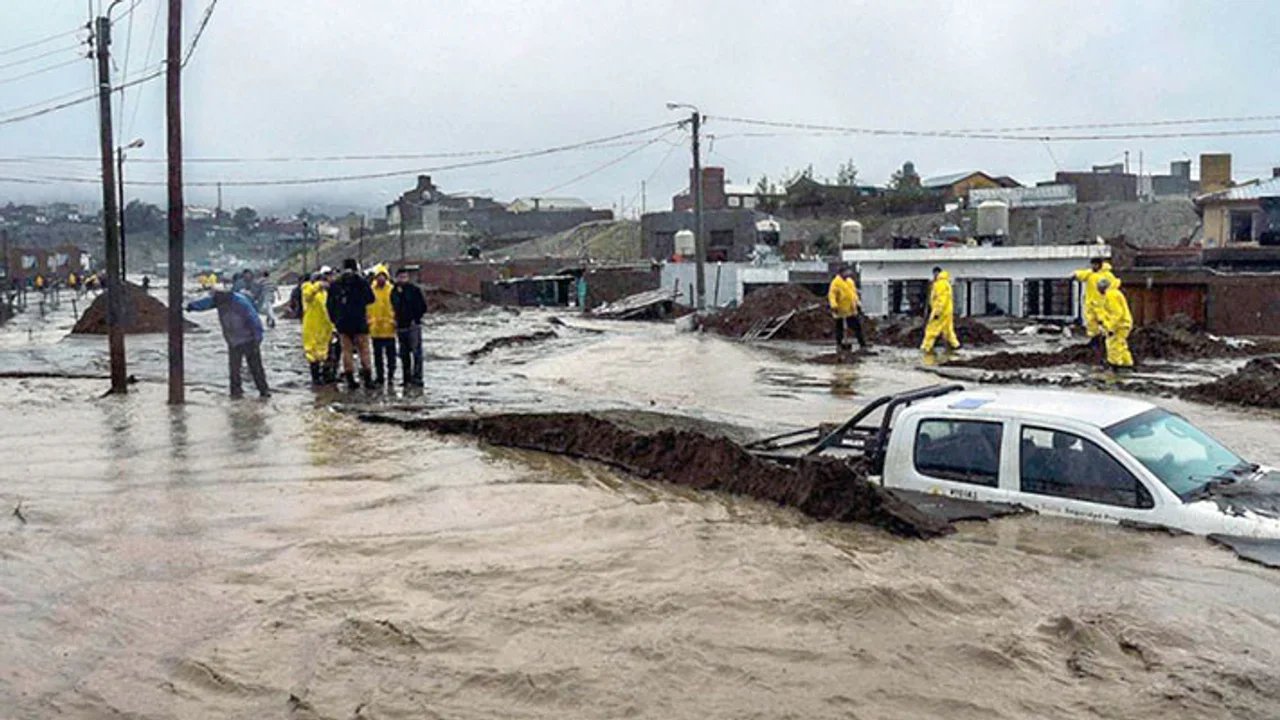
x,y
993,218
850,234
686,244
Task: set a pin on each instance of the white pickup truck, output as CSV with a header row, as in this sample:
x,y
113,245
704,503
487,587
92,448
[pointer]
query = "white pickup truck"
x,y
1102,458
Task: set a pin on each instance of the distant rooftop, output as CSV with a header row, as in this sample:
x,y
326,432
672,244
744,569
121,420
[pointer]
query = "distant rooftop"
x,y
1251,191
950,179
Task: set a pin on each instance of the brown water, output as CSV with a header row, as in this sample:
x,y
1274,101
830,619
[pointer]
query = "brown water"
x,y
281,559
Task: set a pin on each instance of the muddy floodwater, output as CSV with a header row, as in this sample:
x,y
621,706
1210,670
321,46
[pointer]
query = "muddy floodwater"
x,y
282,559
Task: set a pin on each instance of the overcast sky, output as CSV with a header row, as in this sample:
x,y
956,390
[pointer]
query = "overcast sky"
x,y
275,78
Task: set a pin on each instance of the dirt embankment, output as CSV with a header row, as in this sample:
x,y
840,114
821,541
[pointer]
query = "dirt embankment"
x,y
812,321
824,488
510,341
1257,384
444,301
1177,339
142,314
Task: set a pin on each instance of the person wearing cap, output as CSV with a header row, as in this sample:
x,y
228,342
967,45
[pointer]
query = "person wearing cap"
x,y
382,328
317,329
410,304
1117,322
842,298
942,319
348,303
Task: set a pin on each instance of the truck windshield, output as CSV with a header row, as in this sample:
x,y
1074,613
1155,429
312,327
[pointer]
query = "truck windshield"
x,y
1184,458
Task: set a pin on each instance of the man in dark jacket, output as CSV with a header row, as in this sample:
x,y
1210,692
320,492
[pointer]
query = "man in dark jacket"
x,y
348,304
242,330
410,305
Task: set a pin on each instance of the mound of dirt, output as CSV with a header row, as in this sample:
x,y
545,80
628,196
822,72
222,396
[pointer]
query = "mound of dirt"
x,y
440,300
1176,339
811,322
823,488
142,314
909,333
1257,384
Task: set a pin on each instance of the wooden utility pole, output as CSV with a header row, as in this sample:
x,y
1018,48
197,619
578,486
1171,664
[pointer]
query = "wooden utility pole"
x,y
177,221
110,218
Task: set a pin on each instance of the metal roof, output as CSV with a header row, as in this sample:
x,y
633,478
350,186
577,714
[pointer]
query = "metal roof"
x,y
951,179
1097,410
1251,191
1007,253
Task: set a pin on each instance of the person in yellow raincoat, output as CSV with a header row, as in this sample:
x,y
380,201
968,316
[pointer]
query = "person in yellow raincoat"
x,y
1116,322
941,313
842,298
382,327
1089,277
317,330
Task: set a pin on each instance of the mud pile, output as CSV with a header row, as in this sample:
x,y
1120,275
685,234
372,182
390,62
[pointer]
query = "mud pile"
x,y
444,301
824,488
142,314
812,321
510,341
1257,384
1176,339
909,333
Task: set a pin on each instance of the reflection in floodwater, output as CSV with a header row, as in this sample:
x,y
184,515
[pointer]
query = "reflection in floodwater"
x,y
193,562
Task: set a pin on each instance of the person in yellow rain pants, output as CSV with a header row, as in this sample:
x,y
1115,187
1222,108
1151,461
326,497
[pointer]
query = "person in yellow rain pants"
x,y
842,298
941,313
1098,269
382,327
317,329
1116,322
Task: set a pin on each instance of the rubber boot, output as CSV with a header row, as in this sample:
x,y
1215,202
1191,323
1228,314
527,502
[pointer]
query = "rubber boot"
x,y
351,381
315,375
367,377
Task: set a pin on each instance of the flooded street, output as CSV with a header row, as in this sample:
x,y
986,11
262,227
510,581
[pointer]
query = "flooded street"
x,y
283,559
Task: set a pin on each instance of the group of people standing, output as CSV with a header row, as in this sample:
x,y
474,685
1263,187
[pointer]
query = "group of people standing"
x,y
370,319
1107,319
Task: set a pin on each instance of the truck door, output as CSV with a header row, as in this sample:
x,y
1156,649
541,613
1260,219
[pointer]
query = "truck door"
x,y
1065,473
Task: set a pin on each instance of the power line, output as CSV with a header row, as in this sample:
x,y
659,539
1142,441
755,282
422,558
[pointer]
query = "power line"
x,y
146,59
42,41
41,56
77,101
124,70
41,71
204,22
608,164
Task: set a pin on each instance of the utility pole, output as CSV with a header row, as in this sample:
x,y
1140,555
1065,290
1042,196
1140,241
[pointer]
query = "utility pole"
x,y
402,241
124,258
360,250
115,282
643,199
177,222
699,242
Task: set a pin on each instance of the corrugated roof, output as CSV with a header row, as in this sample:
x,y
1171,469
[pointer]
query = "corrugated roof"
x,y
1252,191
951,179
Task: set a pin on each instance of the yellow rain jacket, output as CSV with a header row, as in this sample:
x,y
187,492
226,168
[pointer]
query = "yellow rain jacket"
x,y
842,296
382,317
941,314
1093,298
1117,321
317,330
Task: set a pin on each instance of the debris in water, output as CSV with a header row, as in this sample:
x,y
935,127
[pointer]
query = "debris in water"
x,y
909,333
822,488
142,314
17,512
510,341
1257,384
1264,551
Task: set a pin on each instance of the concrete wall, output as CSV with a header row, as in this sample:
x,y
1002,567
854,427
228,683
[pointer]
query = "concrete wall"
x,y
658,232
725,281
1100,187
606,285
1215,172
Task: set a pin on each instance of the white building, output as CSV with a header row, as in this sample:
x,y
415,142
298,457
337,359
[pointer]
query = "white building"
x,y
987,281
727,281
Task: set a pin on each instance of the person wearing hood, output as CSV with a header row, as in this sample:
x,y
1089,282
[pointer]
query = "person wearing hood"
x,y
1098,269
349,301
317,329
382,327
1117,322
842,299
410,305
242,329
941,313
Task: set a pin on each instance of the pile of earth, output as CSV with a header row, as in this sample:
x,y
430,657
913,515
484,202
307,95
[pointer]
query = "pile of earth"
x,y
142,314
1175,339
908,332
440,300
1257,384
812,320
822,488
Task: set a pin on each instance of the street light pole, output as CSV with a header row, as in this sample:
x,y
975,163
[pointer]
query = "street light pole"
x,y
124,257
699,242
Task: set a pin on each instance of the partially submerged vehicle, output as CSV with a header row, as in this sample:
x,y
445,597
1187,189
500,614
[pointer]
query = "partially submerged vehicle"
x,y
1101,458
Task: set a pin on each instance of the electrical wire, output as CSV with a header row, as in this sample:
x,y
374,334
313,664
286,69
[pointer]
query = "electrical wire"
x,y
77,101
146,60
609,164
41,71
41,56
124,70
42,41
204,22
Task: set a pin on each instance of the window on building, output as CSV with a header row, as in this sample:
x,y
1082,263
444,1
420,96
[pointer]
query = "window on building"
x,y
734,201
962,450
721,238
990,297
1241,226
1048,297
908,297
1061,464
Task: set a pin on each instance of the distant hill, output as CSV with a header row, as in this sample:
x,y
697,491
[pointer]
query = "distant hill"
x,y
603,240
